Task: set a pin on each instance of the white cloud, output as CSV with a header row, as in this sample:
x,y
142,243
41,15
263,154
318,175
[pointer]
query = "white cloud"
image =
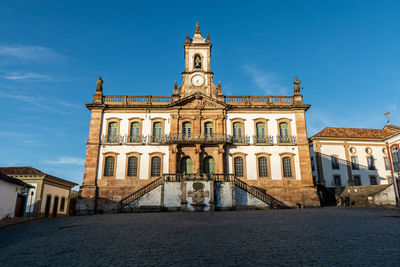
x,y
269,82
24,76
29,52
67,161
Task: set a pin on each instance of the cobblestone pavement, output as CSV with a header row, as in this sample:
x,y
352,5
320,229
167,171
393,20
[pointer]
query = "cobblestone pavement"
x,y
327,236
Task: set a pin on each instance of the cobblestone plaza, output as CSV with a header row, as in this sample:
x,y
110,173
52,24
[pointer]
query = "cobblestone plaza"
x,y
327,236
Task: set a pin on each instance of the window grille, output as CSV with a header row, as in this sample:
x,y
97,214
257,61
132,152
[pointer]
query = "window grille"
x,y
109,166
155,166
287,167
238,162
262,167
132,166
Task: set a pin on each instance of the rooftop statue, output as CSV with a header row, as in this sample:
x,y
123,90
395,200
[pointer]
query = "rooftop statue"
x,y
296,85
99,87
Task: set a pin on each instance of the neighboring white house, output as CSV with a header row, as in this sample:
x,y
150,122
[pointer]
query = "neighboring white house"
x,y
351,156
393,146
13,197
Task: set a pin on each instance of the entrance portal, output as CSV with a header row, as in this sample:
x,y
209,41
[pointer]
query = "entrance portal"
x,y
47,209
55,207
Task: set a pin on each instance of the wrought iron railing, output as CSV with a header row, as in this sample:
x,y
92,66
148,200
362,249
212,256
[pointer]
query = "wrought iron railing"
x,y
286,139
263,139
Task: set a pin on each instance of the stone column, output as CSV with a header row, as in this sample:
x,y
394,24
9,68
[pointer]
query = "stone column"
x,y
88,188
348,164
173,149
220,160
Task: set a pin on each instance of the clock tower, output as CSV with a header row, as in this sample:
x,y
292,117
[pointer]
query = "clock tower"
x,y
197,76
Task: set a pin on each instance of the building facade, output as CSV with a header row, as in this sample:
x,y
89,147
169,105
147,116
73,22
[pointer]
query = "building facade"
x,y
393,147
136,140
343,157
49,195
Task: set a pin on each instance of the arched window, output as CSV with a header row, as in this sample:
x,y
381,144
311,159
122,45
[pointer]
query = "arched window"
x,y
260,132
187,130
155,167
357,180
186,165
287,167
284,132
237,132
109,166
157,131
238,166
132,166
62,204
135,132
396,158
197,62
112,132
262,167
337,180
208,129
209,165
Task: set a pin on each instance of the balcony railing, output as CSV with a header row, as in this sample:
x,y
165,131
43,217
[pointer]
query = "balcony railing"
x,y
195,138
286,139
259,100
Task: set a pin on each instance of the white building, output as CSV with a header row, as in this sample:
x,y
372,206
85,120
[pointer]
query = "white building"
x,y
135,141
343,157
13,197
393,147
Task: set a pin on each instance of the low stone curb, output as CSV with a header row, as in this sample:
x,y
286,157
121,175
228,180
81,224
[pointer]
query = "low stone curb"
x,y
13,221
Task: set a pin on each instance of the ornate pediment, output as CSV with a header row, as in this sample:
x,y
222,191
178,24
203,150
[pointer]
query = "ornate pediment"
x,y
199,101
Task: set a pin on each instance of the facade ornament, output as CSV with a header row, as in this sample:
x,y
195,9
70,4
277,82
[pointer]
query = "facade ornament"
x,y
219,88
187,39
175,88
208,38
296,85
197,62
99,87
197,27
387,116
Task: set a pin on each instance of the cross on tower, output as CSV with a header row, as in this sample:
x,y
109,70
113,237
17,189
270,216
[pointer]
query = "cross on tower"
x,y
387,116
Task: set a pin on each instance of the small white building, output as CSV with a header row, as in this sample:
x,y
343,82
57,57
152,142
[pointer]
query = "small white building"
x,y
343,157
13,197
393,146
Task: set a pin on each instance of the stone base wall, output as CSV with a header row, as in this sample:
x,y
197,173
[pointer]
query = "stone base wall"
x,y
369,195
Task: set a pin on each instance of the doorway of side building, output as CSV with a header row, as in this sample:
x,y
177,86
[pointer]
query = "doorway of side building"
x,y
209,165
19,207
48,203
55,207
186,165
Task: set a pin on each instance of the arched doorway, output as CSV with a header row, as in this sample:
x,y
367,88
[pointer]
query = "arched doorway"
x,y
48,203
55,207
209,165
186,165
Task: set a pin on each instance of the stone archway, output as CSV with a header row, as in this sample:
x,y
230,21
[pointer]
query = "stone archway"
x,y
186,165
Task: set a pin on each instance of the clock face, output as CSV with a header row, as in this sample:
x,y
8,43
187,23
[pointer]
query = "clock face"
x,y
198,80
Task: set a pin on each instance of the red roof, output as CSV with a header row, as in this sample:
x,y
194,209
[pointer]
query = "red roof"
x,y
356,132
20,171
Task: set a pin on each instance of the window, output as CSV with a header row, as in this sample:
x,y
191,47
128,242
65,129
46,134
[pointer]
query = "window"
x,y
238,165
135,132
260,132
387,163
396,158
371,163
337,180
334,162
197,62
155,167
157,131
208,129
284,132
186,165
62,204
357,180
287,167
109,166
262,167
132,167
112,132
187,130
209,165
354,164
237,132
373,180
390,180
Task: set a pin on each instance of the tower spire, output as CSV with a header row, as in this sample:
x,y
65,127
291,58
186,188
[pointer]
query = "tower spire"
x,y
197,27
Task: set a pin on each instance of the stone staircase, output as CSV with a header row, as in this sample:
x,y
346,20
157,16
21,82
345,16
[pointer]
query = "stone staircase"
x,y
272,202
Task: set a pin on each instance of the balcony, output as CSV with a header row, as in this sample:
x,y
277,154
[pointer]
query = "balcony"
x,y
195,139
286,140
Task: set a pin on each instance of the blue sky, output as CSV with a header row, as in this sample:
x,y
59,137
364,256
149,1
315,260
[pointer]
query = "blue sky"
x,y
51,53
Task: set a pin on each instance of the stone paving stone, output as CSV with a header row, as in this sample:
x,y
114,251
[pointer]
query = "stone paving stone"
x,y
318,237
